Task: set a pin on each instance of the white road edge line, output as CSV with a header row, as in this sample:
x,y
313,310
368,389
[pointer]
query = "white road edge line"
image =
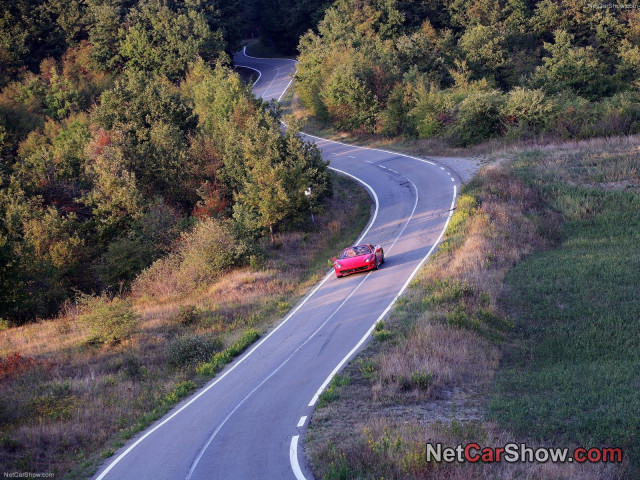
x,y
264,339
244,52
386,310
255,70
266,379
371,148
308,339
293,458
301,421
294,440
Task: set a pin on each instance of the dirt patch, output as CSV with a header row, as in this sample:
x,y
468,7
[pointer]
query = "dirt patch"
x,y
464,168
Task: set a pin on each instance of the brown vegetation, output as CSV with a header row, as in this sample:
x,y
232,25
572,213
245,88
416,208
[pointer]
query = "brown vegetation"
x,y
427,378
67,400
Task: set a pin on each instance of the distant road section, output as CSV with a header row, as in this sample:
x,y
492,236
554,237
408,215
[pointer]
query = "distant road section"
x,y
249,421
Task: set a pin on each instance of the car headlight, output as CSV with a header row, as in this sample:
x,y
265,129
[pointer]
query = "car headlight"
x,y
338,265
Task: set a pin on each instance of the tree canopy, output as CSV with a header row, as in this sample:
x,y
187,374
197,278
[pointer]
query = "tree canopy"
x,y
122,126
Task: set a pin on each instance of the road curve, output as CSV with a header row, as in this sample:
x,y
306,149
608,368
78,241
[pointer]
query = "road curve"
x,y
246,423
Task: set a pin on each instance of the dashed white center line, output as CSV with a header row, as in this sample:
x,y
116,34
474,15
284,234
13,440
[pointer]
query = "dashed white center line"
x,y
351,156
441,168
369,162
302,420
453,179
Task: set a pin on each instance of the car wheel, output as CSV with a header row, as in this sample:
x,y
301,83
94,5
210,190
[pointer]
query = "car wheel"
x,y
382,259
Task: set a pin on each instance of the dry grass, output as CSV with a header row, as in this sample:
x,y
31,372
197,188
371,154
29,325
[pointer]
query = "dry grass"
x,y
452,356
396,450
68,403
450,325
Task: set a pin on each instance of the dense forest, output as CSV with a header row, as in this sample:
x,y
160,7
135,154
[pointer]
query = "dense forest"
x,y
122,123
122,126
468,70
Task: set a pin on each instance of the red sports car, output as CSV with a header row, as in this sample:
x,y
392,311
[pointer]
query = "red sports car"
x,y
358,258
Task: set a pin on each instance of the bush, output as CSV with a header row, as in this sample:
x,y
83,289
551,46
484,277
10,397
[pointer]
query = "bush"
x,y
620,115
528,109
109,321
206,251
186,315
202,254
421,380
478,118
574,116
190,349
428,113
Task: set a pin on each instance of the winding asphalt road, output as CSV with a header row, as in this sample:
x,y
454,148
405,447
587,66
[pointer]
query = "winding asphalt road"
x,y
246,423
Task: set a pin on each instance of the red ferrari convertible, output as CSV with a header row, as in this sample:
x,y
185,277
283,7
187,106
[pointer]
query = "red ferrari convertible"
x,y
358,258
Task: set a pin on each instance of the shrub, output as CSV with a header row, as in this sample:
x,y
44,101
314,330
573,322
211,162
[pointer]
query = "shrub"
x,y
351,105
428,116
573,117
181,390
202,253
186,315
190,349
332,392
618,115
206,250
421,380
527,109
15,364
133,368
382,335
478,118
109,321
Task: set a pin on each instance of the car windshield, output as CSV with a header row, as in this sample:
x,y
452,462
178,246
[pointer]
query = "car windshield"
x,y
355,251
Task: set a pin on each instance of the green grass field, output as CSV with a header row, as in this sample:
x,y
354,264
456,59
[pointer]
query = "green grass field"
x,y
573,373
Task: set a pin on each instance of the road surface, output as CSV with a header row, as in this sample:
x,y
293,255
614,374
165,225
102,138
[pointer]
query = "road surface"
x,y
247,423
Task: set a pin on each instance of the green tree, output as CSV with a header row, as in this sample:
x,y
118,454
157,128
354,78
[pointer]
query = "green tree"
x,y
350,104
164,40
41,254
155,123
280,167
484,50
578,69
114,199
106,20
29,32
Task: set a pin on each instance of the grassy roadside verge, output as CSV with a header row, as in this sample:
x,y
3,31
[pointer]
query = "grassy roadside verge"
x,y
573,371
481,351
66,402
